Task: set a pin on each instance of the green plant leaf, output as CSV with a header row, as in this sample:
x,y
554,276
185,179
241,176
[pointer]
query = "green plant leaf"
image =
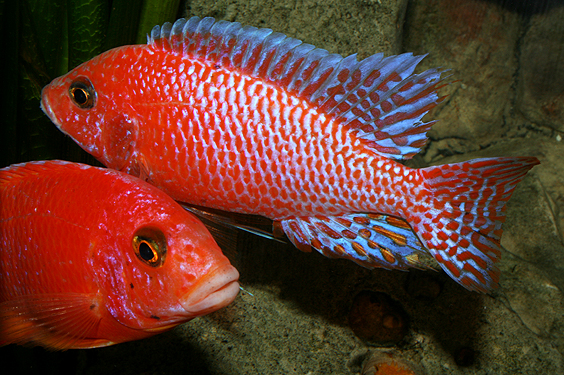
x,y
156,12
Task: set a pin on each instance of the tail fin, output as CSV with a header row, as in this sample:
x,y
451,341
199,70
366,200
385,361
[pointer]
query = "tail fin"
x,y
462,229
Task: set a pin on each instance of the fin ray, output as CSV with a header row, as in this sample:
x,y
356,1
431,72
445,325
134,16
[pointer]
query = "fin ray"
x,y
223,225
463,229
378,98
15,172
57,321
370,240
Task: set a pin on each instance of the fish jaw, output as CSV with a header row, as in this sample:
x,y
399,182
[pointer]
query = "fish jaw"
x,y
47,109
215,291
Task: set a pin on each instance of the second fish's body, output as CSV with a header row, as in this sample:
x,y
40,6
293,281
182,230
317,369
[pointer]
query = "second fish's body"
x,y
92,257
246,120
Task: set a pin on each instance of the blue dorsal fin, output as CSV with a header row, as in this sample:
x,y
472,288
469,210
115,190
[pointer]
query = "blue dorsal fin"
x,y
380,99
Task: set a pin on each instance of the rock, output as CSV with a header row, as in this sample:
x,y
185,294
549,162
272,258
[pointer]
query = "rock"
x,y
476,41
377,319
389,363
423,286
364,27
541,70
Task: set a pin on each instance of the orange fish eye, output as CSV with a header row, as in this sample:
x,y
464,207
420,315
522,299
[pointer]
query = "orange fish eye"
x,y
150,246
82,93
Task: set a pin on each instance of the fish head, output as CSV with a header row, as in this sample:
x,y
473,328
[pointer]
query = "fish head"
x,y
92,105
163,267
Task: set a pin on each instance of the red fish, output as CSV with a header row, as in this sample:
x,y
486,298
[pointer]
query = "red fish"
x,y
92,257
251,121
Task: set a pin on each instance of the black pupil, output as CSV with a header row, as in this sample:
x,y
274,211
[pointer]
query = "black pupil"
x,y
146,252
80,96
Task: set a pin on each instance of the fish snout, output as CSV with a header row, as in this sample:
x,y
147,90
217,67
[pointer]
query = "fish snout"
x,y
218,289
46,106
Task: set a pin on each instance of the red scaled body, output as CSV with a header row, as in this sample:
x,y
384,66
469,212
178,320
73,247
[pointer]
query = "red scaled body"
x,y
246,120
92,257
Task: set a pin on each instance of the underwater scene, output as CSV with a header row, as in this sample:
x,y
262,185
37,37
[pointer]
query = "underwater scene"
x,y
384,197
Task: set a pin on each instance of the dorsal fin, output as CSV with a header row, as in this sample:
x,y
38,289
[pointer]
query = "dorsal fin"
x,y
15,172
379,98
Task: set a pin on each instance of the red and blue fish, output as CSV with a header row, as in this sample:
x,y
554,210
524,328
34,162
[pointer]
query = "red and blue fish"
x,y
248,120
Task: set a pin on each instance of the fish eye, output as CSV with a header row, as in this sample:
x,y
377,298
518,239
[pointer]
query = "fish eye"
x,y
82,93
149,245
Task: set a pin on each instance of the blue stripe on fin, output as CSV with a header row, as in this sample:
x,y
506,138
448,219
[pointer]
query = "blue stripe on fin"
x,y
371,240
378,98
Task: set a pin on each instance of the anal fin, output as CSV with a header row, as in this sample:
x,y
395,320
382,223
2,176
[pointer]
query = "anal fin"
x,y
371,240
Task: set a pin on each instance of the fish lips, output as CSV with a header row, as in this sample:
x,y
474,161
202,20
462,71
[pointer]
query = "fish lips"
x,y
46,107
218,289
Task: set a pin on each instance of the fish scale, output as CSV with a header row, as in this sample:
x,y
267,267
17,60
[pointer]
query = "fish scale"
x,y
287,115
74,273
247,120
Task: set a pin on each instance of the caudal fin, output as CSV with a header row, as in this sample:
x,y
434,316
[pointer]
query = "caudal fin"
x,y
462,228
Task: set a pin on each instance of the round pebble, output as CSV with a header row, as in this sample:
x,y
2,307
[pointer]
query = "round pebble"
x,y
465,357
377,319
423,287
381,363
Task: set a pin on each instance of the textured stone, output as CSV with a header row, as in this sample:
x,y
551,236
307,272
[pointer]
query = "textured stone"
x,y
541,74
364,27
476,41
377,319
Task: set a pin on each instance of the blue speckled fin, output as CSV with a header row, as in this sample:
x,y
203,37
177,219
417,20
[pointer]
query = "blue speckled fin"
x,y
378,98
371,240
463,228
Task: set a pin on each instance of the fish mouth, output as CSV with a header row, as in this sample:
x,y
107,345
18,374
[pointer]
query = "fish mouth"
x,y
46,107
218,289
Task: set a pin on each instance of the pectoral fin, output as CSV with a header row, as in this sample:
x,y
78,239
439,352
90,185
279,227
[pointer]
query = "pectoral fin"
x,y
56,321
